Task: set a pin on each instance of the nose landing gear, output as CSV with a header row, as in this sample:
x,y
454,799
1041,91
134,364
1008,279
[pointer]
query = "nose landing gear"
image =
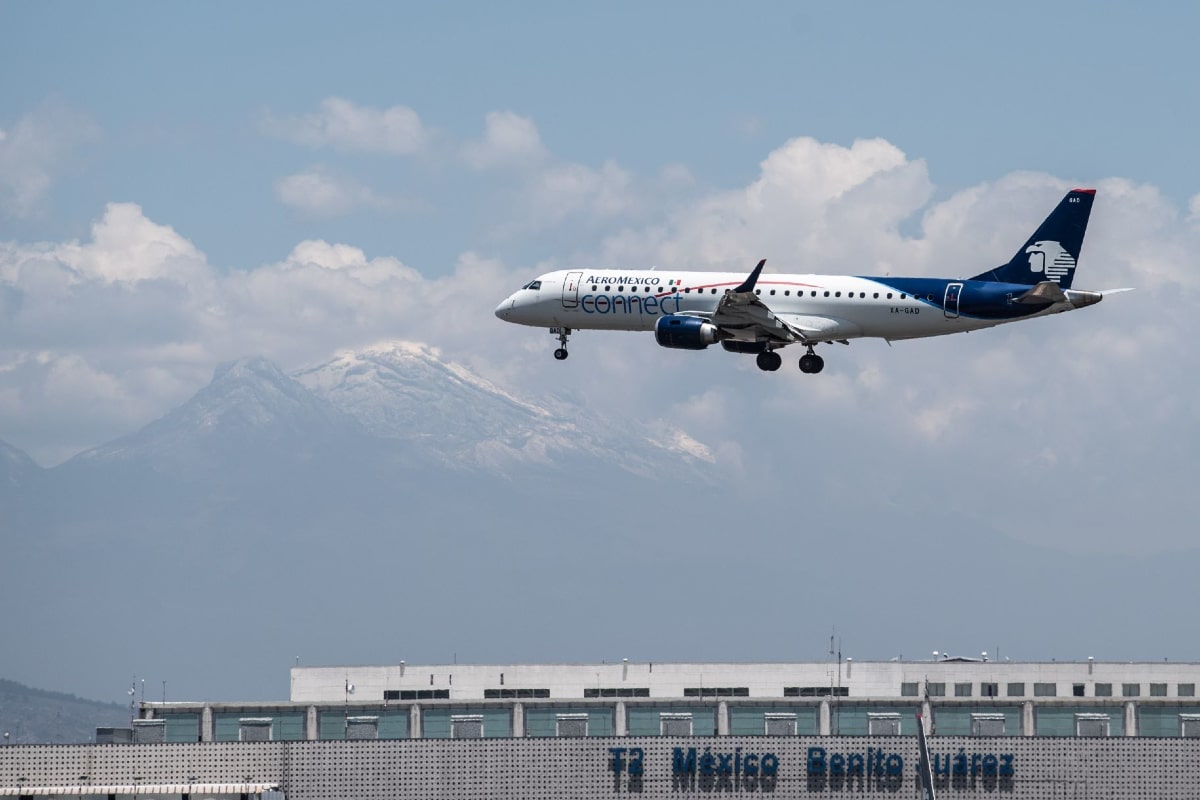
x,y
563,334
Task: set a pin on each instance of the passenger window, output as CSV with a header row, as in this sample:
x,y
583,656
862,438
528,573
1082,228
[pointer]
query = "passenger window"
x,y
889,295
758,291
827,293
837,294
862,294
903,296
876,296
772,292
608,287
714,291
593,288
787,292
647,290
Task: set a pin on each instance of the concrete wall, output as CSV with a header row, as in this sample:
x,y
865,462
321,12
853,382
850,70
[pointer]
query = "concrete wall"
x,y
528,769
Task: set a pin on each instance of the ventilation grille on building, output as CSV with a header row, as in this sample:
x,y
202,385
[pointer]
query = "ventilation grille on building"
x,y
466,726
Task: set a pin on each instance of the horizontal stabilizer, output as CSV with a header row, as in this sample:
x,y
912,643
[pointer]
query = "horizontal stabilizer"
x,y
1044,293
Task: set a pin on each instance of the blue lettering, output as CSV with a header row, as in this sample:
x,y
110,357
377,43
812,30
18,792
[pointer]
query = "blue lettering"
x,y
895,764
636,756
837,764
607,304
770,764
725,763
618,763
816,760
1006,764
588,303
650,306
751,764
990,763
854,764
680,764
707,763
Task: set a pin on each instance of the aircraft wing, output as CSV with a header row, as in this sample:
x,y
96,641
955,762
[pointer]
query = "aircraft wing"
x,y
746,317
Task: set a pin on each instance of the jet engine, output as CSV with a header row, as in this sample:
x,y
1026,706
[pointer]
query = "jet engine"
x,y
682,332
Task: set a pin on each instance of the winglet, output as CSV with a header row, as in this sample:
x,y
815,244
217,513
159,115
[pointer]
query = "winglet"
x,y
748,284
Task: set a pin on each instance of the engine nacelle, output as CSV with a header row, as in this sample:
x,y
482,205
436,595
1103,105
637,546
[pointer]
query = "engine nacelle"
x,y
685,333
735,346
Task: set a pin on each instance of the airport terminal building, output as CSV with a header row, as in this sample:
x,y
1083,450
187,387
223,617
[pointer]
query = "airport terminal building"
x,y
833,729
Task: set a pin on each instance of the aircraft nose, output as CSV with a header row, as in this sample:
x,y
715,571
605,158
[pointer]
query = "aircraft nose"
x,y
504,310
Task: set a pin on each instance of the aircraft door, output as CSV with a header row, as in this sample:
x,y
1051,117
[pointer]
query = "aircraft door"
x,y
570,295
953,291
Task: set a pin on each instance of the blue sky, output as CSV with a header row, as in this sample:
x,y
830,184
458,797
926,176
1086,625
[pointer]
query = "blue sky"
x,y
184,184
177,91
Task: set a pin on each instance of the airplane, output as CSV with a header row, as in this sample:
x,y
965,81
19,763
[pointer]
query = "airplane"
x,y
761,314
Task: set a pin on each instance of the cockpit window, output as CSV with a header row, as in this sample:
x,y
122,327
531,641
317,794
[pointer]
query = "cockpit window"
x,y
535,285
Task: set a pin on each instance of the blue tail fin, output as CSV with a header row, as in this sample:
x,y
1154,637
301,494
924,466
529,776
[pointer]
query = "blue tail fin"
x,y
1053,250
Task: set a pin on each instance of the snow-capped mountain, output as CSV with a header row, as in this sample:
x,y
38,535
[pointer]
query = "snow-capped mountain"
x,y
404,391
249,403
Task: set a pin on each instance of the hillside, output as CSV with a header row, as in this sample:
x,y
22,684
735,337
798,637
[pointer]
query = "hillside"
x,y
37,716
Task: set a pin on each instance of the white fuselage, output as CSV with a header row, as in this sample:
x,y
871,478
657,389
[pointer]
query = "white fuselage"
x,y
633,300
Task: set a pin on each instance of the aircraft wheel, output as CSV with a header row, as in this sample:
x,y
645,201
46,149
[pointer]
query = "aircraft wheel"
x,y
768,360
561,354
811,364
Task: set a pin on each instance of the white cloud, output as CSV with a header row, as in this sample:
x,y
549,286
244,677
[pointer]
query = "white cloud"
x,y
345,126
508,140
320,193
34,150
1027,416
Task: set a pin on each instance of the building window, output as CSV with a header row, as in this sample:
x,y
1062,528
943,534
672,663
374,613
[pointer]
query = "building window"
x,y
816,691
989,690
671,724
1045,690
935,689
1091,725
909,690
570,725
1187,690
711,691
514,694
779,724
1158,690
1077,690
1016,690
466,726
962,690
1189,726
1131,689
883,724
416,694
622,692
1103,690
987,725
254,729
362,727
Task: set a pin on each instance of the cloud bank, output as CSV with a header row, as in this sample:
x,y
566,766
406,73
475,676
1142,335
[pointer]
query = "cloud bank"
x,y
1041,424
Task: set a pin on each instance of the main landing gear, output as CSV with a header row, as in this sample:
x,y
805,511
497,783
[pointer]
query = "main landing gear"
x,y
563,334
768,360
811,363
